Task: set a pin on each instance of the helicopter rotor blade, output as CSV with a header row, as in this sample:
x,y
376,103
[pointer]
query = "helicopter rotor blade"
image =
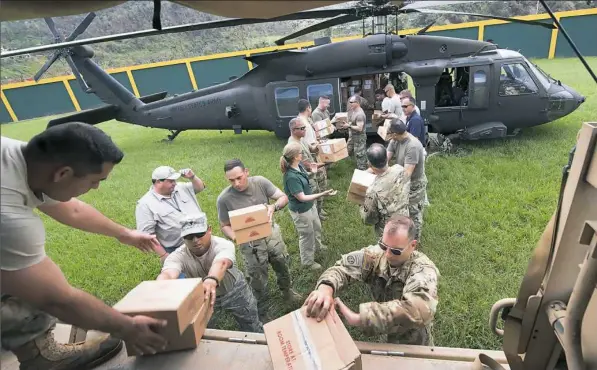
x,y
47,65
432,4
76,72
319,26
81,27
514,20
424,30
52,27
314,14
572,45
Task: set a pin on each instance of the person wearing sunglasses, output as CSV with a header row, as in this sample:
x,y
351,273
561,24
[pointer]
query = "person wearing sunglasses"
x,y
213,259
357,137
404,283
388,194
297,135
408,152
414,122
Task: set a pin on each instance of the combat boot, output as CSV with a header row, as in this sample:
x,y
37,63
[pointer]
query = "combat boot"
x,y
292,297
45,353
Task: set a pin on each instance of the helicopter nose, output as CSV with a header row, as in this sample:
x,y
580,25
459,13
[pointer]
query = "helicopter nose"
x,y
564,102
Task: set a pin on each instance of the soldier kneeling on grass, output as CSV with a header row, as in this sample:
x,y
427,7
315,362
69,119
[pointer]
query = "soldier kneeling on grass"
x,y
403,281
213,259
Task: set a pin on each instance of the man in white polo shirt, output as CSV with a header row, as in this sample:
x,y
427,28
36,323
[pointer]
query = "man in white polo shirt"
x,y
213,259
165,204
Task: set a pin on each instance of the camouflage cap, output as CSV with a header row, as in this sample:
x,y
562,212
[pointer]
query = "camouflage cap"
x,y
193,224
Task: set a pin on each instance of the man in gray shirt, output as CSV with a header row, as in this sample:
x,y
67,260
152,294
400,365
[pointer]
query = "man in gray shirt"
x,y
245,191
213,259
410,154
161,209
357,135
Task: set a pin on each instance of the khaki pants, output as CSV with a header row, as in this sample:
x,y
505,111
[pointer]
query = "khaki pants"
x,y
21,322
308,226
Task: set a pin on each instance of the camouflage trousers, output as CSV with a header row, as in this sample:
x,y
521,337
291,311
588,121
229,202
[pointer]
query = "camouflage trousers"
x,y
416,207
257,255
314,182
21,323
419,336
241,303
357,145
308,226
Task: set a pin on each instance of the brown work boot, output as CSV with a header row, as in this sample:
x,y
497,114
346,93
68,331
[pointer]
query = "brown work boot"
x,y
47,354
292,297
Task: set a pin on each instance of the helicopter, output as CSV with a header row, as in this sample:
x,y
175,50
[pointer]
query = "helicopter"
x,y
468,88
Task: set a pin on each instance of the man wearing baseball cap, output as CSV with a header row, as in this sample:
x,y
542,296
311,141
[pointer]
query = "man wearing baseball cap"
x,y
410,154
166,202
213,259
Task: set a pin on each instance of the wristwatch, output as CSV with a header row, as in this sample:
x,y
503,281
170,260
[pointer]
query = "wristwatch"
x,y
276,207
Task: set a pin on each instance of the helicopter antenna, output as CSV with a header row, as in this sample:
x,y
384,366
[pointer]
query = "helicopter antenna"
x,y
557,23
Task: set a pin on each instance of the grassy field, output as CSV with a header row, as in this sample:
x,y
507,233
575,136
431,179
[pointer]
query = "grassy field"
x,y
487,211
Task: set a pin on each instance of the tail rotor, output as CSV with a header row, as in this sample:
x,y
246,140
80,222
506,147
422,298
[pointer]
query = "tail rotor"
x,y
66,53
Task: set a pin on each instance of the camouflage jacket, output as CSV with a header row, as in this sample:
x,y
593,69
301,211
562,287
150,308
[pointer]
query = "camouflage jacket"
x,y
404,300
386,197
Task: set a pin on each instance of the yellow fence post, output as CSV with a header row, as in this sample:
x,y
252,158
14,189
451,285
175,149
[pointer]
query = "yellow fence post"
x,y
249,62
70,92
133,84
481,35
11,112
554,41
191,75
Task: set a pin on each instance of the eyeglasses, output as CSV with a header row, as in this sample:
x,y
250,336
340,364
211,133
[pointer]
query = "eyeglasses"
x,y
406,106
193,236
301,128
395,251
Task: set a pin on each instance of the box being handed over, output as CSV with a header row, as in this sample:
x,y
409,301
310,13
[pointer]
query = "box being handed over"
x,y
298,342
179,302
382,130
361,180
250,223
341,117
333,150
323,128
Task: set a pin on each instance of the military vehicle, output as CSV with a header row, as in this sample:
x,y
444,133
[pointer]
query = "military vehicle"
x,y
471,89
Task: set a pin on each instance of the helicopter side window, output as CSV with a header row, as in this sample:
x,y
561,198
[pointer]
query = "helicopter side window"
x,y
287,101
315,91
515,80
452,88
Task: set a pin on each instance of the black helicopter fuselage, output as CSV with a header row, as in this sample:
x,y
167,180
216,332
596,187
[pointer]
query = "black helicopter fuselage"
x,y
461,85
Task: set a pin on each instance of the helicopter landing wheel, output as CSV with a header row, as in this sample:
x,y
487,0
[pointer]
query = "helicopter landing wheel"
x,y
173,135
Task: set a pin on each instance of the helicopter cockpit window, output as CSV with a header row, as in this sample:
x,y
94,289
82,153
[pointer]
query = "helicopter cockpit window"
x,y
315,91
515,80
287,101
541,76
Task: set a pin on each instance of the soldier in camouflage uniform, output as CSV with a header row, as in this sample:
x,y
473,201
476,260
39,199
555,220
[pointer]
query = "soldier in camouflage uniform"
x,y
245,191
403,282
357,137
213,259
410,154
388,195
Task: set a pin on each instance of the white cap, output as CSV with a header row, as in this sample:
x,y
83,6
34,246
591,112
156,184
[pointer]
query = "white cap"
x,y
193,224
165,172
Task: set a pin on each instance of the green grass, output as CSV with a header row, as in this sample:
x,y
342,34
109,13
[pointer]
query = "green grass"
x,y
488,210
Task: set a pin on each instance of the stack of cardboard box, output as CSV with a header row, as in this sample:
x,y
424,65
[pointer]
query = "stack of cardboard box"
x,y
361,180
298,342
323,128
333,150
250,223
382,130
180,302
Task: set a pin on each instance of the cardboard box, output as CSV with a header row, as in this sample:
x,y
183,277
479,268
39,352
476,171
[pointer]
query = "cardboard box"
x,y
361,180
334,157
382,130
341,117
355,198
333,150
298,342
321,125
178,301
249,216
376,117
253,233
